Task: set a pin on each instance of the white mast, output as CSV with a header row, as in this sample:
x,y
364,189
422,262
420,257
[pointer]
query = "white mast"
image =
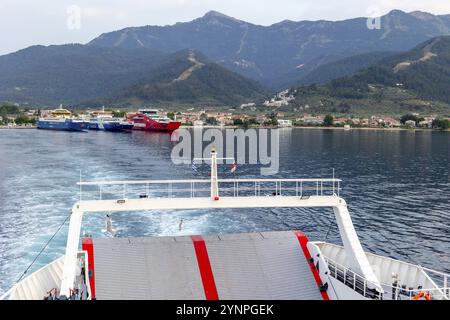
x,y
214,181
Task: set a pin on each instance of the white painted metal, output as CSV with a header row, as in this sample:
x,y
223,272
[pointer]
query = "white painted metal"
x,y
158,268
143,182
214,179
409,275
356,257
37,285
261,266
73,239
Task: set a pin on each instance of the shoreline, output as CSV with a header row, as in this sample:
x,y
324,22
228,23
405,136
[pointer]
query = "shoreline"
x,y
17,127
267,127
317,128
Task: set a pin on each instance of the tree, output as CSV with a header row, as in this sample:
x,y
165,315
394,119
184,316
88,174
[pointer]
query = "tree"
x,y
409,117
273,119
238,122
212,121
23,119
119,114
328,121
171,115
443,124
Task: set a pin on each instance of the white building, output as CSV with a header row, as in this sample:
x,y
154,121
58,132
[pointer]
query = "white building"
x,y
284,123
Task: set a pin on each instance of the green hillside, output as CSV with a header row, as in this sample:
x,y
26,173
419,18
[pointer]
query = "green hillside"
x,y
415,81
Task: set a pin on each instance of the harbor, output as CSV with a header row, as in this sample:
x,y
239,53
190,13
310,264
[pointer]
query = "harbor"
x,y
384,219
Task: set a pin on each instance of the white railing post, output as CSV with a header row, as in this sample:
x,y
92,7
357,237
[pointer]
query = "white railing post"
x,y
446,288
364,288
338,188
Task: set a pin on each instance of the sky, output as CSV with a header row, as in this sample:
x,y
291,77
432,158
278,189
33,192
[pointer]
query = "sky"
x,y
29,22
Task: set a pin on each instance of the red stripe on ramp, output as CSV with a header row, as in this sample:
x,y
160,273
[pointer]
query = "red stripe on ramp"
x,y
88,245
303,240
204,265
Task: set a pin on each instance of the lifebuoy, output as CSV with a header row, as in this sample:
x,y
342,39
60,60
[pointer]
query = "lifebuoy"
x,y
420,295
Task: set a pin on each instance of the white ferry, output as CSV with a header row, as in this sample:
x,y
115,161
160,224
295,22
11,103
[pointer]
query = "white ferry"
x,y
281,265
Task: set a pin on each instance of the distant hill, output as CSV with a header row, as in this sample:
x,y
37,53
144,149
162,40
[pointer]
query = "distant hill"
x,y
283,51
70,74
418,80
189,77
136,65
344,67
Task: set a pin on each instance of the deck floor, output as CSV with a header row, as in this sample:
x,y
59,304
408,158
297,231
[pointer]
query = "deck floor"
x,y
257,266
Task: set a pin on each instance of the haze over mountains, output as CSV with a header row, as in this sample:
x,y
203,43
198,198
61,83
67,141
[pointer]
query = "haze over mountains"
x,y
214,59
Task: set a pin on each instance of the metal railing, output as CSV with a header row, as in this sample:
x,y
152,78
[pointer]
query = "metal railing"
x,y
398,292
201,188
353,280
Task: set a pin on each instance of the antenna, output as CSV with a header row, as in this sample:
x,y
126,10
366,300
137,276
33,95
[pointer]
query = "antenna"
x,y
333,182
80,184
214,179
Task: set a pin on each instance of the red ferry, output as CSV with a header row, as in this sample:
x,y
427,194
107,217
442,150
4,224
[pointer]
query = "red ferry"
x,y
149,120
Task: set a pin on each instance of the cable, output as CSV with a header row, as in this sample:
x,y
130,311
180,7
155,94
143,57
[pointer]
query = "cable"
x,y
42,250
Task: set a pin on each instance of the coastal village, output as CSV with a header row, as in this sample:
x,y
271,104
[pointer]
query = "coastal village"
x,y
28,117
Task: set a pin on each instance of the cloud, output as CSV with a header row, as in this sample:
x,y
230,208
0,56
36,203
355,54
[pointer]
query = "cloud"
x,y
46,19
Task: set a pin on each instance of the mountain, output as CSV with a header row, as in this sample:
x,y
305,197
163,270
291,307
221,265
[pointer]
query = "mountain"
x,y
188,77
80,75
139,64
416,81
71,74
287,49
344,67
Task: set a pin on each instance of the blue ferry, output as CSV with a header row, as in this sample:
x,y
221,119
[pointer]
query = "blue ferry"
x,y
110,124
62,120
62,124
117,125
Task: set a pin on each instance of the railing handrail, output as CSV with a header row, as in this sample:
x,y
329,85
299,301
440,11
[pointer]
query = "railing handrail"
x,y
137,182
345,269
437,272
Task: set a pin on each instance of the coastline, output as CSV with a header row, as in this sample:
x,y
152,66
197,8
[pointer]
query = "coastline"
x,y
269,127
317,128
17,127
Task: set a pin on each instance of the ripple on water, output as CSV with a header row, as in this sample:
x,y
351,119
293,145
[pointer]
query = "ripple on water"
x,y
397,185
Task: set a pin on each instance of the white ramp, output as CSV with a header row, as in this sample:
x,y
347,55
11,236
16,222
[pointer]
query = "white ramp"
x,y
261,266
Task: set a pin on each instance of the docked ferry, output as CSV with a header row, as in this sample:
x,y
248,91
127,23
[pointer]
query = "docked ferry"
x,y
61,119
150,120
117,125
108,123
281,265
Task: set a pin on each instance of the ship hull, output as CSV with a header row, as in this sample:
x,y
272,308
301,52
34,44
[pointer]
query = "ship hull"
x,y
67,125
145,123
117,127
93,126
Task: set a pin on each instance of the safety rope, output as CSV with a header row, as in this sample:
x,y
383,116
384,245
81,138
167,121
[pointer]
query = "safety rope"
x,y
42,250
